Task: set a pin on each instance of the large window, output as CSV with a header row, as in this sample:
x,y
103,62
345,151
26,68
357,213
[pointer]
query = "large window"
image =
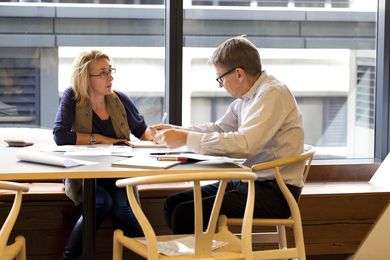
x,y
324,51
39,42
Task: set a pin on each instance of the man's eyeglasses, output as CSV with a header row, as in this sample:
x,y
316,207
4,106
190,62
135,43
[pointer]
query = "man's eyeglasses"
x,y
105,74
220,78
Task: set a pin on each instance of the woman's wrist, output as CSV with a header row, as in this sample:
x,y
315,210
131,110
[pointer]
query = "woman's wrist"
x,y
92,139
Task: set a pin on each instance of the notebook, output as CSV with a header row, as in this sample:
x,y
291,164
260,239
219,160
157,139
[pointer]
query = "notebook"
x,y
145,162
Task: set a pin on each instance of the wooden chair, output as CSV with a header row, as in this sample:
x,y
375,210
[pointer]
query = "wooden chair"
x,y
236,249
279,235
18,248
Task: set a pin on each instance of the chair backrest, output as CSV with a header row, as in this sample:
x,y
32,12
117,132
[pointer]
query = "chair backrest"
x,y
305,158
13,214
203,239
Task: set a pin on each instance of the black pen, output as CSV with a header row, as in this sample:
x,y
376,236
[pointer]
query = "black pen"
x,y
166,153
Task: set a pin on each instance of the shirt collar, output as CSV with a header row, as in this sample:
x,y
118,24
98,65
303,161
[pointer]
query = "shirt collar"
x,y
252,91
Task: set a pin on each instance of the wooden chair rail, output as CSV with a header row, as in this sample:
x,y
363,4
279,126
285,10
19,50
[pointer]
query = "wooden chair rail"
x,y
336,215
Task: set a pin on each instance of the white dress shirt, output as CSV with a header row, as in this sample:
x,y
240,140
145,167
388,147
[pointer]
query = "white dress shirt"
x,y
263,125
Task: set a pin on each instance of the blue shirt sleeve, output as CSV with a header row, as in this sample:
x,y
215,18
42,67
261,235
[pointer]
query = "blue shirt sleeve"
x,y
62,131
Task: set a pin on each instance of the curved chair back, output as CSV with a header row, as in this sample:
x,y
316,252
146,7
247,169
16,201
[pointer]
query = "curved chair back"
x,y
305,158
17,249
203,239
298,251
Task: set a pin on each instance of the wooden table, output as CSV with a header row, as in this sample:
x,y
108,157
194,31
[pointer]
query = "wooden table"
x,y
11,169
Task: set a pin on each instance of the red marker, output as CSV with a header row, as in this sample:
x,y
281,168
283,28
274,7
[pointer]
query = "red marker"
x,y
181,159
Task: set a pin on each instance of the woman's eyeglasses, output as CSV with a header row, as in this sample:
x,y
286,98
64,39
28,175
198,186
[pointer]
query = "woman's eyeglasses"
x,y
104,73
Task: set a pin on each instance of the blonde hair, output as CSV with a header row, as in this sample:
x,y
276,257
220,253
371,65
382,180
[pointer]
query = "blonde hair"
x,y
237,52
80,74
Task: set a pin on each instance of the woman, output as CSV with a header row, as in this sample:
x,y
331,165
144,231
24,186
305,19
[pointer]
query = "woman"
x,y
90,112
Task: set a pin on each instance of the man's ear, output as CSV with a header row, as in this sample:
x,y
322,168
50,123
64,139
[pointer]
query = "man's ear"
x,y
240,73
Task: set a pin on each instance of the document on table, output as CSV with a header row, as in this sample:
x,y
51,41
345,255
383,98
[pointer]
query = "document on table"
x,y
145,144
39,157
90,150
194,157
145,162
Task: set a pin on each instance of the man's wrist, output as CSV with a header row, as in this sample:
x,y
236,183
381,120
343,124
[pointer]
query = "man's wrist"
x,y
193,141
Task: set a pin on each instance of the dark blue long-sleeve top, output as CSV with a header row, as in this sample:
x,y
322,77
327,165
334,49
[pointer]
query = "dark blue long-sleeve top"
x,y
65,118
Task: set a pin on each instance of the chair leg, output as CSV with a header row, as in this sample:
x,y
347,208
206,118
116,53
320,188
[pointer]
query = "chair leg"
x,y
22,251
117,249
282,239
299,242
282,236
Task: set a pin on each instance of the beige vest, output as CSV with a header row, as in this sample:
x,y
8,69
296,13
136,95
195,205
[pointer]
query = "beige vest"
x,y
116,110
83,124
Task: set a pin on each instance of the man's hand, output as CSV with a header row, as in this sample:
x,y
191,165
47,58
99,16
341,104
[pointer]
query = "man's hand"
x,y
149,134
173,138
160,127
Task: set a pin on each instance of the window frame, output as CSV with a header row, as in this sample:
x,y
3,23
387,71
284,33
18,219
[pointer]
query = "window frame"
x,y
382,106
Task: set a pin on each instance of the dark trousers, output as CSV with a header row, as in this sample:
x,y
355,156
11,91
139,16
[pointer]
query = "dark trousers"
x,y
109,200
269,203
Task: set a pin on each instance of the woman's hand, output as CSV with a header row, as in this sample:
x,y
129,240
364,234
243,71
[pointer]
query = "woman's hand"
x,y
101,139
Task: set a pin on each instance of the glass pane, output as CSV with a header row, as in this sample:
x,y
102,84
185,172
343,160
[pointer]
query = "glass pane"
x,y
133,65
324,51
19,94
42,40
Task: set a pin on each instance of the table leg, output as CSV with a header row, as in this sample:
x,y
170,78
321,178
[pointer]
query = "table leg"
x,y
89,217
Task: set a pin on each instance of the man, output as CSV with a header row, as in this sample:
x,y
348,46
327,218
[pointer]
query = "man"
x,y
262,124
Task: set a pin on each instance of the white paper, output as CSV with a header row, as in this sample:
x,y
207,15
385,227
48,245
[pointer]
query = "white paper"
x,y
145,144
73,148
152,151
38,157
203,157
90,150
181,246
145,162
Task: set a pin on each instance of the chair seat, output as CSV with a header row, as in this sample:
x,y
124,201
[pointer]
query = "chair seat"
x,y
232,250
